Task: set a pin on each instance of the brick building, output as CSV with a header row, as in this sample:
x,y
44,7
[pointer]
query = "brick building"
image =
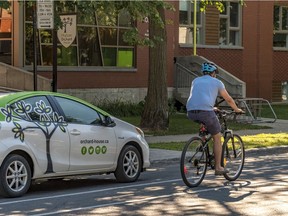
x,y
250,42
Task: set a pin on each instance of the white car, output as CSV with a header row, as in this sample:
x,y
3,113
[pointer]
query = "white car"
x,y
51,135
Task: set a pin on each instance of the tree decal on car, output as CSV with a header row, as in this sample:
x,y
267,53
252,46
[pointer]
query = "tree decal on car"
x,y
48,122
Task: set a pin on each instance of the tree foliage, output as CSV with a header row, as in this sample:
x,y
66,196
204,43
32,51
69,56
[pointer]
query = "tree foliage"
x,y
4,4
218,4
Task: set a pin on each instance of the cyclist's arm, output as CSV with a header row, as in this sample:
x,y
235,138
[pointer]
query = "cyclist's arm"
x,y
229,100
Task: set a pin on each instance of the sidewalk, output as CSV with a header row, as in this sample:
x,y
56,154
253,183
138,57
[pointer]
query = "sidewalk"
x,y
280,126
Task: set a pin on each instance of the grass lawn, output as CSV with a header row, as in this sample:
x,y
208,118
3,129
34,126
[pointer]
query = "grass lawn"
x,y
255,141
180,124
281,111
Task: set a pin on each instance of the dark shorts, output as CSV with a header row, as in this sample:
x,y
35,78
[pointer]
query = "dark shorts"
x,y
209,118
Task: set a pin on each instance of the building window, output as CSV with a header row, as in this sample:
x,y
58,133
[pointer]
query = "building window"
x,y
285,91
230,24
6,36
99,40
186,23
280,37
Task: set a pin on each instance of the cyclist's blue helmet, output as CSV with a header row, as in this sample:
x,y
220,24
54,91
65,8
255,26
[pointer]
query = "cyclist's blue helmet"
x,y
209,67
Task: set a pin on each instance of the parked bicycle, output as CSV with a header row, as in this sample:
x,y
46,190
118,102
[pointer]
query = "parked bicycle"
x,y
197,156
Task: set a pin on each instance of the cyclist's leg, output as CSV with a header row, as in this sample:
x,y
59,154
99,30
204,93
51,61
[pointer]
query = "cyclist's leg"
x,y
217,147
213,126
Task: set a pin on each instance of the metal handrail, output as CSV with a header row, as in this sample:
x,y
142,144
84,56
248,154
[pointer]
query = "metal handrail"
x,y
184,77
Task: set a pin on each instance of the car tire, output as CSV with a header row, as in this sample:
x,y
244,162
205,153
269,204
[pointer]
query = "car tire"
x,y
15,176
129,165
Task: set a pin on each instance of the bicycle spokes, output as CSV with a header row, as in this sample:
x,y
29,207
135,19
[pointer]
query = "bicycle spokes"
x,y
234,156
193,162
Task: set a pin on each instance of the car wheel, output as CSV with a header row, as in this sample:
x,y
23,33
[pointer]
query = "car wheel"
x,y
129,165
15,176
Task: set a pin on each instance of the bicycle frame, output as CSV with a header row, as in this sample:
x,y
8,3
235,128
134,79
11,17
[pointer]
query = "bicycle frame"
x,y
206,137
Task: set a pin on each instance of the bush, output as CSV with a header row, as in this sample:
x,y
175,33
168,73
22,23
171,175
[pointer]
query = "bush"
x,y
121,108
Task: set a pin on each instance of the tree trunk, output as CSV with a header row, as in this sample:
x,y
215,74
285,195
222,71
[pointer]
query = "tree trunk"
x,y
155,115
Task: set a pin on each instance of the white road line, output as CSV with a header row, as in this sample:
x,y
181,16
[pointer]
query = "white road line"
x,y
89,192
122,187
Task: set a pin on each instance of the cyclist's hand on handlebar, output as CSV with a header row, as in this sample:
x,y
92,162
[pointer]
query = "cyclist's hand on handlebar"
x,y
239,111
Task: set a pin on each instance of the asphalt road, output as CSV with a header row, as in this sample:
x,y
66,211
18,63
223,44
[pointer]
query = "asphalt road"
x,y
260,190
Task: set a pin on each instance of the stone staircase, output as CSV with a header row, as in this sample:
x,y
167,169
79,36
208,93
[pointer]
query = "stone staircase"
x,y
188,68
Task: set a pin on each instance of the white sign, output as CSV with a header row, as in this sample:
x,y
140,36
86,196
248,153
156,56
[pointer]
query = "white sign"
x,y
45,14
67,33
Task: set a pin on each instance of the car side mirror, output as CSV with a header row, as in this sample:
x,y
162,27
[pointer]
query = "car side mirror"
x,y
108,122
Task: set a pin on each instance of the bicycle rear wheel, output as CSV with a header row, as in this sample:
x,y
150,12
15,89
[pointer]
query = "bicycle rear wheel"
x,y
233,157
193,164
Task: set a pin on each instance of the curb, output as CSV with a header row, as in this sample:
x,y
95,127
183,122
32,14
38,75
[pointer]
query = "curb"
x,y
174,156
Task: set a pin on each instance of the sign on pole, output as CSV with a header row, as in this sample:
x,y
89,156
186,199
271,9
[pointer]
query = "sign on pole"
x,y
67,33
45,14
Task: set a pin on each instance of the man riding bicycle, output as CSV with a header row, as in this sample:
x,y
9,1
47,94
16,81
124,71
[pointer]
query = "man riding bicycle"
x,y
200,107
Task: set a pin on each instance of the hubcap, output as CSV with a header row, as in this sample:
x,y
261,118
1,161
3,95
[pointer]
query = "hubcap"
x,y
16,176
131,164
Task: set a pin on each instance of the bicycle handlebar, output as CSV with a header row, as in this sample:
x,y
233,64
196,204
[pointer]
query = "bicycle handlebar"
x,y
226,112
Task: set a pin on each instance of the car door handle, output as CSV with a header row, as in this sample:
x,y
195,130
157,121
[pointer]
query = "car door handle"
x,y
75,132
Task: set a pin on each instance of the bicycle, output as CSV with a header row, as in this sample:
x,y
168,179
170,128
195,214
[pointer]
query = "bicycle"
x,y
196,155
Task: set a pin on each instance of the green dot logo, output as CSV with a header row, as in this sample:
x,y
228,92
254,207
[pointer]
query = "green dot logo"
x,y
97,150
83,150
104,150
91,150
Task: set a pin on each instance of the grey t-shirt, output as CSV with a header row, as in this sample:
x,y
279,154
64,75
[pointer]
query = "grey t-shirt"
x,y
203,94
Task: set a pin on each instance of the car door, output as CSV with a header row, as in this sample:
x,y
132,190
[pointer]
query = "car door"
x,y
93,145
38,126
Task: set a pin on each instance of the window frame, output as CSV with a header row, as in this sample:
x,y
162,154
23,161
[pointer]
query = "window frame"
x,y
200,38
229,29
78,50
280,30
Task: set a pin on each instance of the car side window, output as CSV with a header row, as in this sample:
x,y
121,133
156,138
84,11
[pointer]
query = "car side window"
x,y
32,108
76,112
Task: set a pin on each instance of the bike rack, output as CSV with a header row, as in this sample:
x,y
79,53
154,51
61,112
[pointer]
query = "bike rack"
x,y
253,108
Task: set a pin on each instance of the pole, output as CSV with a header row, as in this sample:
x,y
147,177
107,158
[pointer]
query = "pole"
x,y
54,82
195,28
35,47
54,50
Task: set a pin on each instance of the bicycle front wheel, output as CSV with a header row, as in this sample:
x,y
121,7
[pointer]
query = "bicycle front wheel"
x,y
193,164
233,157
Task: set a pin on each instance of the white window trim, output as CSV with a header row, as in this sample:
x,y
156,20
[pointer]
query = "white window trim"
x,y
231,28
280,31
